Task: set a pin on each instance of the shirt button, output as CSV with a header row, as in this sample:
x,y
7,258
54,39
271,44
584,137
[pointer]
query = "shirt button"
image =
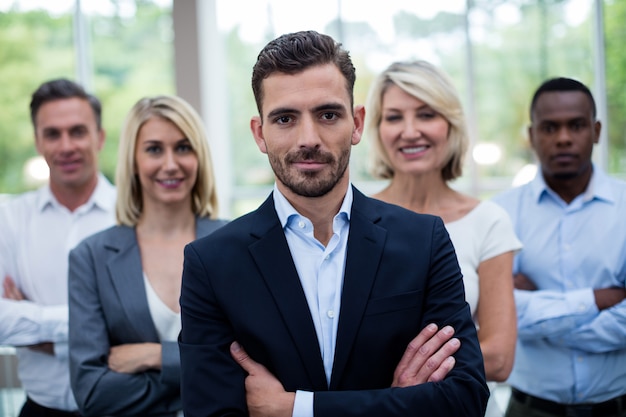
x,y
301,224
330,314
582,307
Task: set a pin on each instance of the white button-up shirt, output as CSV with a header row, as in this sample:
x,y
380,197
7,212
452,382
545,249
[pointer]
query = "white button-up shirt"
x,y
36,235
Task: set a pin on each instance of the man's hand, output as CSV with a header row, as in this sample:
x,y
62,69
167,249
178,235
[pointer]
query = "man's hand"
x,y
10,290
427,358
608,297
265,395
133,358
522,282
44,347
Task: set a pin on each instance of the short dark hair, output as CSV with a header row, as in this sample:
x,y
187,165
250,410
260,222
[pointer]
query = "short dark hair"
x,y
562,84
59,89
294,52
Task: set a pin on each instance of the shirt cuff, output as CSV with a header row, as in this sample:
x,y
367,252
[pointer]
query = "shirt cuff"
x,y
62,351
54,323
582,302
303,404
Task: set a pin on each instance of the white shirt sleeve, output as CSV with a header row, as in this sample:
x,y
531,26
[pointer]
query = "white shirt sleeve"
x,y
303,404
24,323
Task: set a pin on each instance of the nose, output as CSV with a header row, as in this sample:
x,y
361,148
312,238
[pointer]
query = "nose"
x,y
410,129
308,134
564,136
169,161
66,143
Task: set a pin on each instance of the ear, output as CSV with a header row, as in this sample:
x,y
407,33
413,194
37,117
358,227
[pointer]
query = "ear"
x,y
101,138
38,144
256,126
359,123
597,128
531,137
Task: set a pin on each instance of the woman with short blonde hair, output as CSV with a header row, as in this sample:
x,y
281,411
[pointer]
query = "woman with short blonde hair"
x,y
416,123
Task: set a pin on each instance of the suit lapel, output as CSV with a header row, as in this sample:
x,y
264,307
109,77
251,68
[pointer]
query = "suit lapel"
x,y
126,275
365,247
273,258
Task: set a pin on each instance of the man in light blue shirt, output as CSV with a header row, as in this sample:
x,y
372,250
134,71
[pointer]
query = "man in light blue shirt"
x,y
570,276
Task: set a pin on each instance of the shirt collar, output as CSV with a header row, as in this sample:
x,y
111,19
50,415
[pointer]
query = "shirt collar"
x,y
285,210
102,197
598,188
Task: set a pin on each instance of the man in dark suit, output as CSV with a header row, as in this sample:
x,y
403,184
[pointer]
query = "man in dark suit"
x,y
321,286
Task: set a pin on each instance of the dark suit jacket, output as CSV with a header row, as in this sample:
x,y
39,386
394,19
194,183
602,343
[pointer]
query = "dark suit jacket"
x,y
108,307
401,274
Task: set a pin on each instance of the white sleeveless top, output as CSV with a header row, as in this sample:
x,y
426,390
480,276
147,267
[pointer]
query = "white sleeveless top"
x,y
166,321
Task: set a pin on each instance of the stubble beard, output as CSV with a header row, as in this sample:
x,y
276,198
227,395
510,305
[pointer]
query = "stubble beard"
x,y
310,183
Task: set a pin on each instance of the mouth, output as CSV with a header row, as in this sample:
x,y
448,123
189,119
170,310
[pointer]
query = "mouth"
x,y
170,182
309,165
564,157
412,150
69,165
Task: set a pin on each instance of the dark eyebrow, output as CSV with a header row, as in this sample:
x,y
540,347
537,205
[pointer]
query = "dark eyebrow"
x,y
280,111
57,129
329,106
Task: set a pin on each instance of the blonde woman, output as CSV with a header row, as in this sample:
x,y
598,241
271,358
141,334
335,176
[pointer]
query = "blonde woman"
x,y
419,138
124,283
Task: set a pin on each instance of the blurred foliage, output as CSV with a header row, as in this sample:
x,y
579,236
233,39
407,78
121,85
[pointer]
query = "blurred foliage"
x,y
131,58
615,30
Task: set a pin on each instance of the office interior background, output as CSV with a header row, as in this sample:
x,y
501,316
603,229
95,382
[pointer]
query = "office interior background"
x,y
496,51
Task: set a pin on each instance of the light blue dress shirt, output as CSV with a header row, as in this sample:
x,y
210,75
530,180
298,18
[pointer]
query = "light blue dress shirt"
x,y
568,351
321,271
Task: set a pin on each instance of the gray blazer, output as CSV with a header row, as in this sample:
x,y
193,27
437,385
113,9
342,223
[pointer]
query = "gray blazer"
x,y
108,307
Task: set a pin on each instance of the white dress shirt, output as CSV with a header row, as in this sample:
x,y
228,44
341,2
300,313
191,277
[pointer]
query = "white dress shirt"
x,y
321,271
36,235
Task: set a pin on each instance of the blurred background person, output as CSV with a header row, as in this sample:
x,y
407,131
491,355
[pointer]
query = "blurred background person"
x,y
570,278
37,231
419,138
124,283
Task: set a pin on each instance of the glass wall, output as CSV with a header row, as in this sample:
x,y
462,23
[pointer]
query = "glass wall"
x,y
496,51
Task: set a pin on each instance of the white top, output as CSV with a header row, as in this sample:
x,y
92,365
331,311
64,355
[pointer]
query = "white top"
x,y
483,233
166,321
36,235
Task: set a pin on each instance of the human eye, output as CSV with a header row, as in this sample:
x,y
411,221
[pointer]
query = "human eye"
x,y
184,147
153,149
548,127
577,125
427,114
392,117
51,134
329,116
282,120
78,131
